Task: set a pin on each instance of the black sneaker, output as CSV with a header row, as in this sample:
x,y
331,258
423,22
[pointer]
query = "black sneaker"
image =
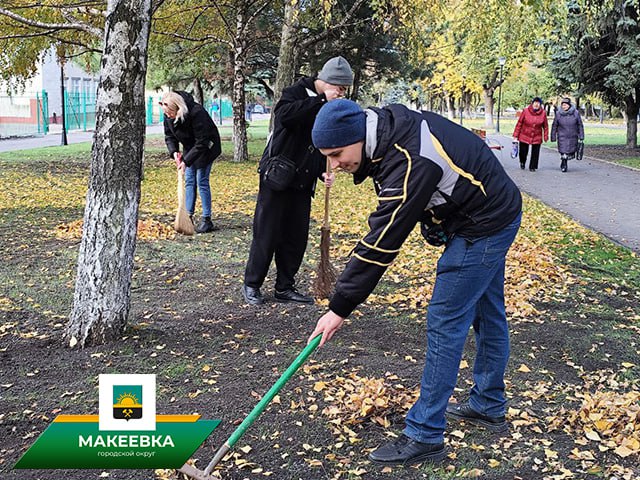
x,y
406,451
206,226
252,295
521,165
462,411
292,296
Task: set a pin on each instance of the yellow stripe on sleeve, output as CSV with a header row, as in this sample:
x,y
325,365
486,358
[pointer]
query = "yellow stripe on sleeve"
x,y
454,167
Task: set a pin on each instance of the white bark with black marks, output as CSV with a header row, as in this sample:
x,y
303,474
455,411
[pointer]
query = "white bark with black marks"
x,y
240,51
106,257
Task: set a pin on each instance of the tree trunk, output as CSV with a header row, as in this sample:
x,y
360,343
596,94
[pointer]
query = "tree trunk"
x,y
105,261
240,151
467,104
631,109
286,57
451,109
198,94
488,107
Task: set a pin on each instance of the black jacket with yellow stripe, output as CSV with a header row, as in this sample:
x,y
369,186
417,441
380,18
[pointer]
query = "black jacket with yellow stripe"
x,y
425,169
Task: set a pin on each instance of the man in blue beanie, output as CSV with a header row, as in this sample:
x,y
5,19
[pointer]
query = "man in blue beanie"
x,y
431,171
281,220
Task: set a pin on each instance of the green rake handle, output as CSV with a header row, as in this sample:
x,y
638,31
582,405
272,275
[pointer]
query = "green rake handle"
x,y
262,404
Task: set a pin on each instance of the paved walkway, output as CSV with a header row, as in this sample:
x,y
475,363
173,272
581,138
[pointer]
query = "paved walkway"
x,y
600,195
55,139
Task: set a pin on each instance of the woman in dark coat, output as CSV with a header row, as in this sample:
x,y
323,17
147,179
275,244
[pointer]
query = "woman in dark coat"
x,y
187,123
567,128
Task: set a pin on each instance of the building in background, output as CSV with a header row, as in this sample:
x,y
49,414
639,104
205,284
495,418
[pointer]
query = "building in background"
x,y
37,108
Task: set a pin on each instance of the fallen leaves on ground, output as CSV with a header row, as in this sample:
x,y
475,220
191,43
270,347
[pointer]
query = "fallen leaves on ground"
x,y
610,418
147,230
352,399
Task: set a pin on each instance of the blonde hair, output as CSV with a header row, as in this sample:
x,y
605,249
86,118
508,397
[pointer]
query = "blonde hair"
x,y
177,103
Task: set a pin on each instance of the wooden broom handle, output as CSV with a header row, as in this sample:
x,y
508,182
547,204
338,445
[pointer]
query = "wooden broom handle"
x,y
326,198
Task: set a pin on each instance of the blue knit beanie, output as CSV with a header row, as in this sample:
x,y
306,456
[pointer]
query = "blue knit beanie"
x,y
339,123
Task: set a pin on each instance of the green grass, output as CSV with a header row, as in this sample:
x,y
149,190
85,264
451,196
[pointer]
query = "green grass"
x,y
633,162
605,260
75,151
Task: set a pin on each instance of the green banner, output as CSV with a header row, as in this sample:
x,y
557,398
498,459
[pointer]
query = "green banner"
x,y
81,445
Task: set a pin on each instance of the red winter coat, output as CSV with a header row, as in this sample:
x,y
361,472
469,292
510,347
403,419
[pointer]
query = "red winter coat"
x,y
531,125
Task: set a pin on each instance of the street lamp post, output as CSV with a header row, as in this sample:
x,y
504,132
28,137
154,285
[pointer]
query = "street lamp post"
x,y
462,98
502,61
63,140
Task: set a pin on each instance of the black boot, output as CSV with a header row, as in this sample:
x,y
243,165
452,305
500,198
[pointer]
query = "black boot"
x,y
563,163
206,225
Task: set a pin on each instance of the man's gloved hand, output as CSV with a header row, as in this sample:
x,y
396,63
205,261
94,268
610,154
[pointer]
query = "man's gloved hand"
x,y
434,235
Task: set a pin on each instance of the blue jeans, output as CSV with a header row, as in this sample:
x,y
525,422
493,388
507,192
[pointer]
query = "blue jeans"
x,y
469,290
197,179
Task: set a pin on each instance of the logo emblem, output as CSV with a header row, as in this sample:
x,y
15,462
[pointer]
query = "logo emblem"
x,y
127,403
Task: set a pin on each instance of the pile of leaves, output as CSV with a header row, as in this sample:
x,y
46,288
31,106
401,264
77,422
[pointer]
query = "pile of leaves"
x,y
352,400
147,230
612,419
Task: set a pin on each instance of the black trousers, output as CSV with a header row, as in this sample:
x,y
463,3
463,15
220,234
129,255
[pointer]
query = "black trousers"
x,y
280,229
535,154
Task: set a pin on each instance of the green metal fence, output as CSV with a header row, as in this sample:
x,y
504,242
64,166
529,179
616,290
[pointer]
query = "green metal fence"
x,y
219,109
80,111
24,115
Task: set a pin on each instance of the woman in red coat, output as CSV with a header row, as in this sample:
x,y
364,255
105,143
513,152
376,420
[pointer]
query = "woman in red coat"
x,y
530,129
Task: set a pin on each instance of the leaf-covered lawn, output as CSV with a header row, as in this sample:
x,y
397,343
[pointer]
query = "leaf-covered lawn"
x,y
571,296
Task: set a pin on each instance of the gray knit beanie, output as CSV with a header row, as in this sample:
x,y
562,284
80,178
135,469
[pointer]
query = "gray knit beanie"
x,y
337,71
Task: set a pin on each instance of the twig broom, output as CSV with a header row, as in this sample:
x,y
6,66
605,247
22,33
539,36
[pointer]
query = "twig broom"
x,y
326,274
182,223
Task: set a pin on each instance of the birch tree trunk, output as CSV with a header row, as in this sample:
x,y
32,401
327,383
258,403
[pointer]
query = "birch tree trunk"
x,y
105,261
240,150
198,94
286,56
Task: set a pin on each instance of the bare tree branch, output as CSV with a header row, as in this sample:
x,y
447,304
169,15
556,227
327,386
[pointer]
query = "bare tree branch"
x,y
53,26
29,35
325,33
155,5
255,14
205,39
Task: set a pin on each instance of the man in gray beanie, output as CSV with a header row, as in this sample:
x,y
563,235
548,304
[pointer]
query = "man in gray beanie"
x,y
336,71
281,220
429,170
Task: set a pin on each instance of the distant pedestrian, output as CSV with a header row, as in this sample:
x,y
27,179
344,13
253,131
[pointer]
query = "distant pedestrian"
x,y
568,129
532,127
